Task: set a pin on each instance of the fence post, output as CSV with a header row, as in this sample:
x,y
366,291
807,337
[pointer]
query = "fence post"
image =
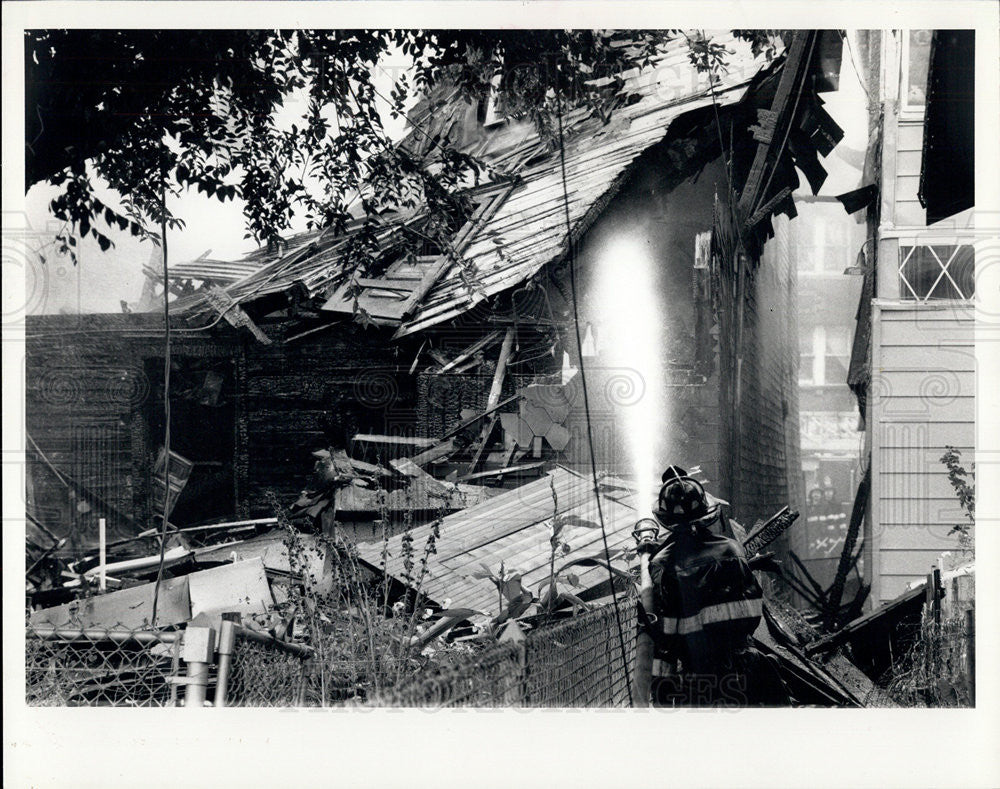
x,y
970,652
522,654
199,648
227,640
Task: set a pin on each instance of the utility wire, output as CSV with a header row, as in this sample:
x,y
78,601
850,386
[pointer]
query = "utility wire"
x,y
166,396
586,400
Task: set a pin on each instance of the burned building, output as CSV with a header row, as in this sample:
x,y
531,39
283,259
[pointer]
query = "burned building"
x,y
431,353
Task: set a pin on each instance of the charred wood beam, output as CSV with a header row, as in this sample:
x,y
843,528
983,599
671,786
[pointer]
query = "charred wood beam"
x,y
771,120
846,554
769,531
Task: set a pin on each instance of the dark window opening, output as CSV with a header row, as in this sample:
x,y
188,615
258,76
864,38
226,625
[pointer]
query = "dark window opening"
x,y
202,430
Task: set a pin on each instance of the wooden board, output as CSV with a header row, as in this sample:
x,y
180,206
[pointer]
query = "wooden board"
x,y
240,586
131,609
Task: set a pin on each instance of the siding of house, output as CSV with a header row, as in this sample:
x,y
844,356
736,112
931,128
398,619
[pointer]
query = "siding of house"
x,y
922,399
909,146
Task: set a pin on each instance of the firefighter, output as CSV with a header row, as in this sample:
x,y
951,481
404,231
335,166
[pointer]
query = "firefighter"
x,y
707,604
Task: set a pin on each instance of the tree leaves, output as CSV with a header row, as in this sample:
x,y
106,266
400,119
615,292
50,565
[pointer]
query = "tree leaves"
x,y
290,121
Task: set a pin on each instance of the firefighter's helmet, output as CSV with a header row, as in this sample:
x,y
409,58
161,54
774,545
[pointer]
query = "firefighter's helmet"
x,y
682,499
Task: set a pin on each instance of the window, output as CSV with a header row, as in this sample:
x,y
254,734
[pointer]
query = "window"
x,y
806,358
825,355
938,271
825,244
916,58
837,357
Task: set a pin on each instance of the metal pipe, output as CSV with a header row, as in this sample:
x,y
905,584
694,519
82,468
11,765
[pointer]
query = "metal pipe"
x,y
97,634
227,640
197,684
268,640
102,535
199,649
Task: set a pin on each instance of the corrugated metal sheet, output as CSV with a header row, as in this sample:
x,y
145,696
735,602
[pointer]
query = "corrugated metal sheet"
x,y
531,225
528,230
513,527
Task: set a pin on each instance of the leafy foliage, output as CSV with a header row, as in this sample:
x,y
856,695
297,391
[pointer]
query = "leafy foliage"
x,y
290,121
963,483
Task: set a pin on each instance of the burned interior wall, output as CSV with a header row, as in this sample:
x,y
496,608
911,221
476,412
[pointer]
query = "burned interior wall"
x,y
745,439
88,397
94,408
316,393
664,217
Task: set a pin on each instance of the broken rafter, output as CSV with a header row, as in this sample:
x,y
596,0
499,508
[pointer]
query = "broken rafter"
x,y
483,214
765,533
770,120
494,398
436,452
480,345
502,472
467,423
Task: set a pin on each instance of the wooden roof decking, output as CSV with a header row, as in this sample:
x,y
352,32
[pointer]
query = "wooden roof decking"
x,y
529,230
513,527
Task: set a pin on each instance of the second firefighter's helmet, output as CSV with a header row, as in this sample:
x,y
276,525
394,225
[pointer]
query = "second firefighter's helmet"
x,y
682,499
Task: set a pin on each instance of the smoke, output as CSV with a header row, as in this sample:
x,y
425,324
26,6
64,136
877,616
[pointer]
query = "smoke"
x,y
630,335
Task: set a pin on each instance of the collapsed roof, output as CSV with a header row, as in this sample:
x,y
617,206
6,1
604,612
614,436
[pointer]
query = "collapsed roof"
x,y
514,527
519,224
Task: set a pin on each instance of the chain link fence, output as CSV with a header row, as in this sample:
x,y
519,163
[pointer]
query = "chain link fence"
x,y
578,662
574,663
113,667
268,673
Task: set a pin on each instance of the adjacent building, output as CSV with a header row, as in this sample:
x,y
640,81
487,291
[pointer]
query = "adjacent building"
x,y
913,363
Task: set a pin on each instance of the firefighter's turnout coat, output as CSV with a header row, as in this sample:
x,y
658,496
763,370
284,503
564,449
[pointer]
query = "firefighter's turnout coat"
x,y
708,604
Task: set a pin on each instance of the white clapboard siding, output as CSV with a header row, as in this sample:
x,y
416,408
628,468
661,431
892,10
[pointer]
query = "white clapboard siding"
x,y
909,144
922,400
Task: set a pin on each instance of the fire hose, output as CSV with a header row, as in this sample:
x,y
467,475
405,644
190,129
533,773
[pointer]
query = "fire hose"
x,y
642,676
